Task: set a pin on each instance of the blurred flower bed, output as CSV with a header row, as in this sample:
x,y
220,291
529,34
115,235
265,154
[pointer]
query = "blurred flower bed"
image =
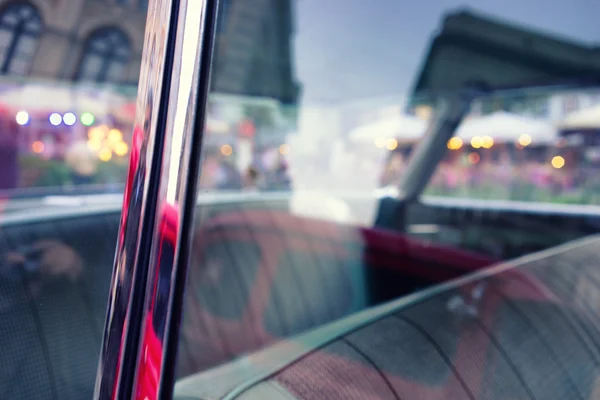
x,y
586,191
39,172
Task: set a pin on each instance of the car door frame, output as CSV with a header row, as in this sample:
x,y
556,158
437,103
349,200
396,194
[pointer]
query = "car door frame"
x,y
146,294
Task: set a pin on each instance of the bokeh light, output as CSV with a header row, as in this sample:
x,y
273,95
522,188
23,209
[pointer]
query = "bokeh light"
x,y
476,142
55,119
97,133
473,158
487,142
524,140
380,142
558,162
87,119
226,150
69,119
284,149
105,154
22,117
121,149
392,144
37,146
115,136
455,143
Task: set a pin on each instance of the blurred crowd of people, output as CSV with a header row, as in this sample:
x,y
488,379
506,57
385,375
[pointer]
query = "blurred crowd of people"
x,y
222,173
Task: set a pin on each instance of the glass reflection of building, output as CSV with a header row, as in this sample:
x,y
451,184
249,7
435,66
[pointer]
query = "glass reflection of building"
x,y
509,53
101,41
253,50
68,40
253,81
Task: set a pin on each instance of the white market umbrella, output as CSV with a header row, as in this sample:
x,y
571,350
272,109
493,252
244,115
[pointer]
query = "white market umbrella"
x,y
401,126
506,127
46,99
587,118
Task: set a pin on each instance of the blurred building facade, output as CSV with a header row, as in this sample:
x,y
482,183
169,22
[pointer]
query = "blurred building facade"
x,y
72,39
253,49
102,41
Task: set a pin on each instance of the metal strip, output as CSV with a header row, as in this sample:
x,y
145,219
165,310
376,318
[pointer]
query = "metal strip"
x,y
431,150
141,331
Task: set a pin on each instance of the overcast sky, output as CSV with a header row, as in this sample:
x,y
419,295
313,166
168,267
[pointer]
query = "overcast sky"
x,y
356,49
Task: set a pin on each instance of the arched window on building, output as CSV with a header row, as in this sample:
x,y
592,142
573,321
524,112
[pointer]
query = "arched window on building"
x,y
105,56
20,27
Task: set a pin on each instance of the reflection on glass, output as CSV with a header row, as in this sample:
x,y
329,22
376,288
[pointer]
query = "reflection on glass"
x,y
45,117
67,94
106,52
55,128
319,125
20,27
525,154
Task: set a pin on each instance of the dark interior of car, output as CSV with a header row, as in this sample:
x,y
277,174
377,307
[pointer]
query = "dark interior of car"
x,y
516,330
277,276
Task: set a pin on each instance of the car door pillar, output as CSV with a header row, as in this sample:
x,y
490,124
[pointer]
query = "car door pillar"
x,y
140,338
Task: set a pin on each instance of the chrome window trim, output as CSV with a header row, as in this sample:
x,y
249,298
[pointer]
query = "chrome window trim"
x,y
158,204
431,150
83,210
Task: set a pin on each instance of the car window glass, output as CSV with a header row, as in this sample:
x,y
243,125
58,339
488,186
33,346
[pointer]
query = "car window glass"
x,y
68,85
318,114
531,145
